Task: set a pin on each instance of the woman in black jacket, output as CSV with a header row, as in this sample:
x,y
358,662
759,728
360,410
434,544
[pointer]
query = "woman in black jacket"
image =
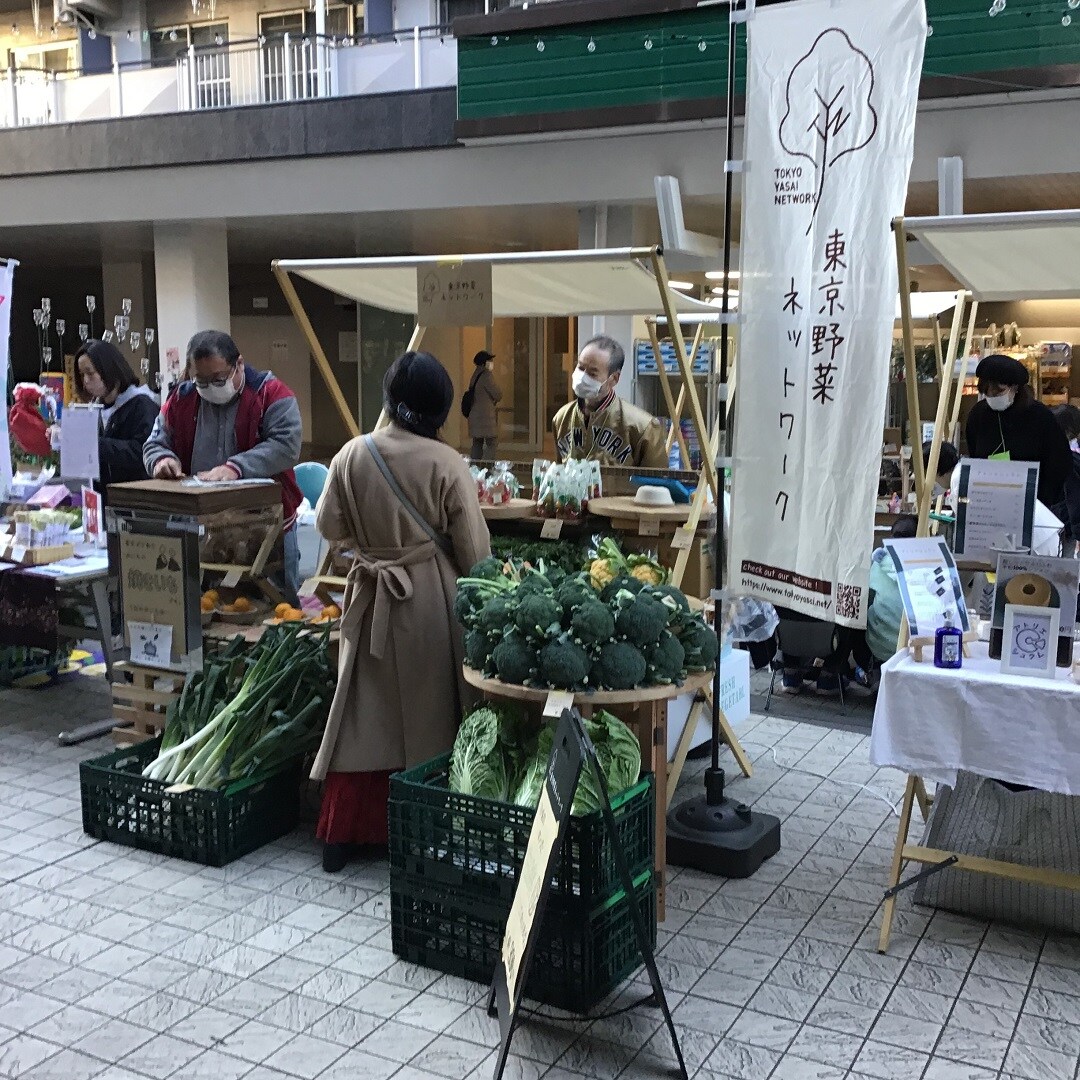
x,y
1009,422
103,376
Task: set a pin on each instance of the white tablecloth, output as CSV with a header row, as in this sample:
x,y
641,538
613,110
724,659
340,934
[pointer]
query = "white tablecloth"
x,y
934,722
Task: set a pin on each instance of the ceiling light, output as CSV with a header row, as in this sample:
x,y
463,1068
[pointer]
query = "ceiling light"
x,y
718,290
681,284
718,275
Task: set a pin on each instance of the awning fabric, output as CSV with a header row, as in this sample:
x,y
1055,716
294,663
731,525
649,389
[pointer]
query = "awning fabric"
x,y
1031,256
615,281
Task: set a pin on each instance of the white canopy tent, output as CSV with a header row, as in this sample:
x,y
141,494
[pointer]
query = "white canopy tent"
x,y
616,281
603,281
1000,257
995,257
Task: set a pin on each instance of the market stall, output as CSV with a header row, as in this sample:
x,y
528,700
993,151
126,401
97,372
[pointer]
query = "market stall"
x,y
972,709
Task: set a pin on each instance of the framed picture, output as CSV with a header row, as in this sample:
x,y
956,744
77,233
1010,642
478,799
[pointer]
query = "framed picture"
x,y
1029,645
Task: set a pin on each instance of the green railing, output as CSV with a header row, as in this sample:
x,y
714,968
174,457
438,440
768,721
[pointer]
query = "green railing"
x,y
682,56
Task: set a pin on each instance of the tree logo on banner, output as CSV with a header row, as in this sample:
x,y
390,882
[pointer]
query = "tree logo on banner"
x,y
830,113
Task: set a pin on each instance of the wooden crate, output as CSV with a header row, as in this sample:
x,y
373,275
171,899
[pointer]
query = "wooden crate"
x,y
141,695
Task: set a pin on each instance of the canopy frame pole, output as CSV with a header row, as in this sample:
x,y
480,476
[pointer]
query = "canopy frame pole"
x,y
937,349
952,355
415,339
925,492
708,466
673,409
962,375
681,403
321,362
910,376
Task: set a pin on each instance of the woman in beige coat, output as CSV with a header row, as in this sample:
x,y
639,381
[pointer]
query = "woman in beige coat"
x,y
400,692
483,420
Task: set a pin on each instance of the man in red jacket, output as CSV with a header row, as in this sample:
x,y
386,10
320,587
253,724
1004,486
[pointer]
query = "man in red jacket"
x,y
231,422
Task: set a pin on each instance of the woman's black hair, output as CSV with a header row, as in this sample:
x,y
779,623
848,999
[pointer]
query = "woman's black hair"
x,y
418,393
1068,418
109,363
948,457
905,527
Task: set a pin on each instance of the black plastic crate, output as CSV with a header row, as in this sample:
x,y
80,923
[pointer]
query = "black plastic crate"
x,y
463,841
578,960
208,827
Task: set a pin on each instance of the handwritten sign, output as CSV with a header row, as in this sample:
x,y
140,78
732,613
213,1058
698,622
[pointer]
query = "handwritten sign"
x,y
454,294
152,573
551,529
995,508
557,701
683,540
648,527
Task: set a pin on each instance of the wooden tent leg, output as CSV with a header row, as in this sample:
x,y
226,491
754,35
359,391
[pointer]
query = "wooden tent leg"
x,y
910,375
678,763
415,339
708,465
924,493
962,375
681,403
889,907
665,385
321,362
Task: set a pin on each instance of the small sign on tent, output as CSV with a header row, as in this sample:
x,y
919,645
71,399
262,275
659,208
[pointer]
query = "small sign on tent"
x,y
454,295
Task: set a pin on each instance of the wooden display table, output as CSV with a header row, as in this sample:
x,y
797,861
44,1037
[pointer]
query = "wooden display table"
x,y
645,712
661,529
509,511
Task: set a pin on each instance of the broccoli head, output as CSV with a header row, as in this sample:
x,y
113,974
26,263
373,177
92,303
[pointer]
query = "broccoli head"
x,y
666,659
477,649
515,658
469,601
675,594
490,569
641,619
537,613
564,664
574,591
532,581
496,615
622,583
592,623
619,666
701,645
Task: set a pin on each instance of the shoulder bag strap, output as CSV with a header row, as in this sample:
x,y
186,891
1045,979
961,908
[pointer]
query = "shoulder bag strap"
x,y
440,541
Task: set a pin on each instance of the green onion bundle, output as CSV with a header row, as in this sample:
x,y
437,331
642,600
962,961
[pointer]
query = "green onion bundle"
x,y
246,714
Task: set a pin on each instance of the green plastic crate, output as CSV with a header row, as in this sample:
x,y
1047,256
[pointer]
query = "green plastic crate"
x,y
578,960
208,827
466,842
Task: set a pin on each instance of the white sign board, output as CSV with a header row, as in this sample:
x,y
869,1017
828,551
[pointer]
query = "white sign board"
x,y
79,430
995,508
929,583
454,295
734,700
831,94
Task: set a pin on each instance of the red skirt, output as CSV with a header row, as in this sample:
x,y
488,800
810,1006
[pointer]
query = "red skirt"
x,y
354,808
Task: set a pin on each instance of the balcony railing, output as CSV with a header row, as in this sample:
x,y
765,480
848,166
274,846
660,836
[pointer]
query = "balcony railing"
x,y
262,71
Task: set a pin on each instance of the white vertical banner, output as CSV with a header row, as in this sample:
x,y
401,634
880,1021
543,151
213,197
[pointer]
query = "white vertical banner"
x,y
7,274
832,88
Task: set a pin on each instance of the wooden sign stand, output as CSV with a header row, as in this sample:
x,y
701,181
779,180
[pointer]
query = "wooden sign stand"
x,y
571,753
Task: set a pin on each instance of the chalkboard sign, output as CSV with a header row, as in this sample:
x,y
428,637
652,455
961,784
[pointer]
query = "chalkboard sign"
x,y
571,752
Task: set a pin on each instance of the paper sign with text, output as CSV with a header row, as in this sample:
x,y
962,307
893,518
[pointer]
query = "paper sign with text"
x,y
832,89
454,295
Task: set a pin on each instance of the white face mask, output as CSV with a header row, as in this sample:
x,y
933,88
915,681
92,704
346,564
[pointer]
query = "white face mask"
x,y
1001,402
218,395
584,385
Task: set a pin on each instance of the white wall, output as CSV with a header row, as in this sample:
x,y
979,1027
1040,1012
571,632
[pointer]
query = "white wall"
x,y
275,343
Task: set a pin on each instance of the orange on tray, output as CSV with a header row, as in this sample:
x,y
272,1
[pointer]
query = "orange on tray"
x,y
330,612
241,605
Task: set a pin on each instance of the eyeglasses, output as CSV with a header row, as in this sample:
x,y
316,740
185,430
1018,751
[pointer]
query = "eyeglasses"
x,y
218,381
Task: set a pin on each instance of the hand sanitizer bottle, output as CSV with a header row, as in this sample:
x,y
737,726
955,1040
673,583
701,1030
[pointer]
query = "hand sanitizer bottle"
x,y
948,645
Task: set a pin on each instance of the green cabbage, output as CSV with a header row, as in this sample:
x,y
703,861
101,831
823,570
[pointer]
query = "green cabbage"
x,y
487,752
617,750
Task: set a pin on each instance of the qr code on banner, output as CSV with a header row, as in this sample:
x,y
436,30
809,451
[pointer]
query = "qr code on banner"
x,y
848,598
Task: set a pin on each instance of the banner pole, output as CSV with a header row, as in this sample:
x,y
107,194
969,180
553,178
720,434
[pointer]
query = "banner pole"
x,y
910,375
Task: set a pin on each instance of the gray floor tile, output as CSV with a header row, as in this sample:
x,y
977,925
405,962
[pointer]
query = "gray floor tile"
x,y
305,1056
761,1029
827,1047
986,1051
1038,1063
67,1065
943,1069
793,1067
162,1056
898,1030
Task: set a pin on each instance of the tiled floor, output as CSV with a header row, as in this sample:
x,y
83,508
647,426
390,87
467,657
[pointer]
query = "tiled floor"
x,y
120,965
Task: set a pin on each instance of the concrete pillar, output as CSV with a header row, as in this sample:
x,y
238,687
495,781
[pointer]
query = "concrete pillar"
x,y
191,270
603,226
